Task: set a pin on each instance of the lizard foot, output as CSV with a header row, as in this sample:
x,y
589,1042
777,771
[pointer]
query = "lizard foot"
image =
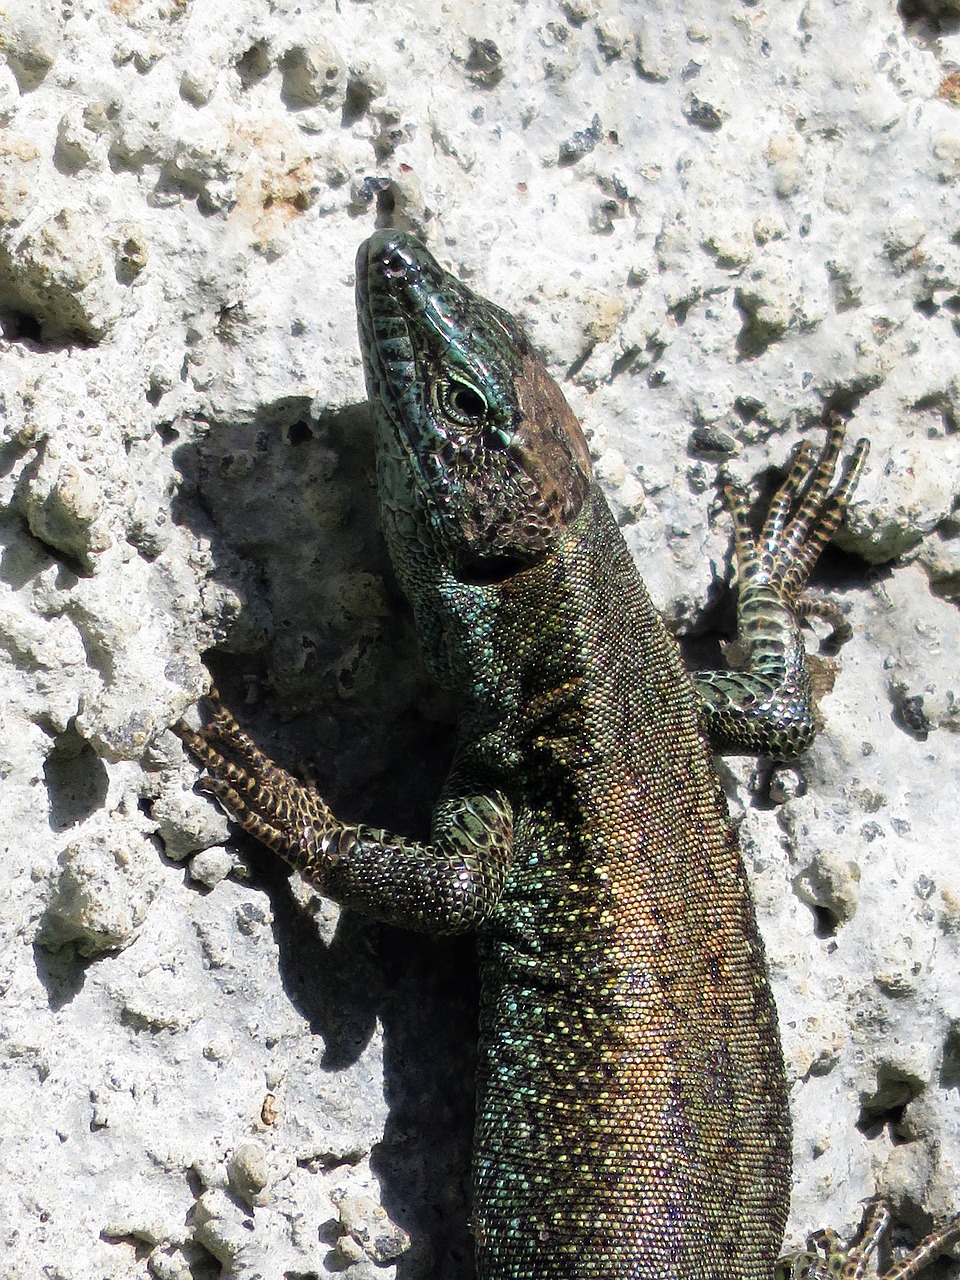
x,y
766,702
827,1258
804,515
268,802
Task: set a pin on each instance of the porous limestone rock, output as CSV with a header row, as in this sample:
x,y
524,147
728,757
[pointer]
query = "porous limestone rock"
x,y
721,223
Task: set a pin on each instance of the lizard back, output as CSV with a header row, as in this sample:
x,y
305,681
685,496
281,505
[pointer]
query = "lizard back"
x,y
632,1111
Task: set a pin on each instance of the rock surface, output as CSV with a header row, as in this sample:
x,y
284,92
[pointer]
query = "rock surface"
x,y
720,223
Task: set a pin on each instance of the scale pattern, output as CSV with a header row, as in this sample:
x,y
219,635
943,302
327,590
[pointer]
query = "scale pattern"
x,y
632,1114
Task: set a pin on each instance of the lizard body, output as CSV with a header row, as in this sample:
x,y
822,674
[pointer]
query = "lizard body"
x,y
632,1109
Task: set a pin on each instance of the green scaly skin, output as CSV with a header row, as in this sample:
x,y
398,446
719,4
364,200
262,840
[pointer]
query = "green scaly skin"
x,y
632,1112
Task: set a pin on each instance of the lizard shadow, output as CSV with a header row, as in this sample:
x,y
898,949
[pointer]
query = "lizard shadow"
x,y
303,595
423,994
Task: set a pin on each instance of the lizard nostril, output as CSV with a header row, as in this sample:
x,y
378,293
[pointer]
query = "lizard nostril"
x,y
394,262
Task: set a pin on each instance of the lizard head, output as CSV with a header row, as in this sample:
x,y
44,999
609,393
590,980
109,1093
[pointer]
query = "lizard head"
x,y
478,450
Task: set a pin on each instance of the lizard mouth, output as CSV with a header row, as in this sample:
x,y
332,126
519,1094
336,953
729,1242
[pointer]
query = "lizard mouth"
x,y
394,289
386,267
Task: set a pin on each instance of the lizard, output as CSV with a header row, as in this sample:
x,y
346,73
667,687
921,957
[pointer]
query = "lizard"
x,y
632,1112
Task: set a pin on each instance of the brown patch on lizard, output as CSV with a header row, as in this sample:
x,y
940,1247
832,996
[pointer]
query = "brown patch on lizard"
x,y
550,446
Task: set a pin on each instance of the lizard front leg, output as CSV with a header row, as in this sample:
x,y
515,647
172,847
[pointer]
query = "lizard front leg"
x,y
766,706
444,887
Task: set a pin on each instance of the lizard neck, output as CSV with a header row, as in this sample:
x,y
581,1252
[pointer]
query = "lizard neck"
x,y
521,655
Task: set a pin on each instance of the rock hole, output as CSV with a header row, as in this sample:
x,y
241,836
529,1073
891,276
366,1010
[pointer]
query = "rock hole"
x,y
930,18
20,326
299,433
950,1068
845,400
825,922
357,101
254,65
76,780
884,1108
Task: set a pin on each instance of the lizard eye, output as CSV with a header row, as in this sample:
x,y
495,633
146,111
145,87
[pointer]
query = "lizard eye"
x,y
461,402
